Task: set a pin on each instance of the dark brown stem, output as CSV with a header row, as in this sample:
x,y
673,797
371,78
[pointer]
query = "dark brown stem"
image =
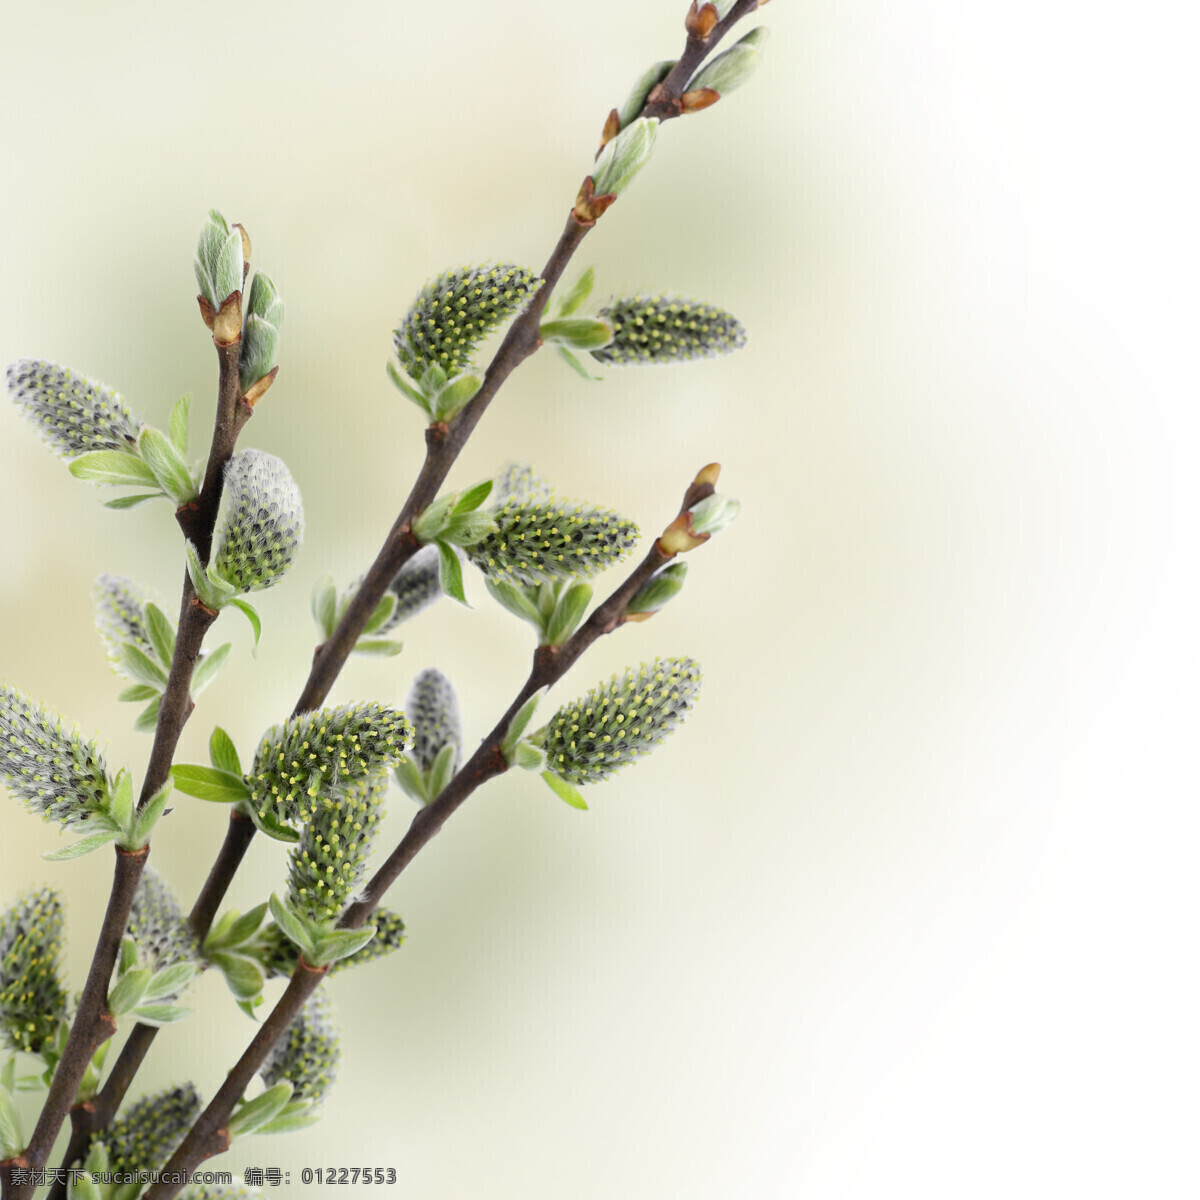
x,y
93,1024
207,1137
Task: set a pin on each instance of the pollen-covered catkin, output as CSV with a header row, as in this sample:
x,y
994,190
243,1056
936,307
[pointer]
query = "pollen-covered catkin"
x,y
32,998
667,329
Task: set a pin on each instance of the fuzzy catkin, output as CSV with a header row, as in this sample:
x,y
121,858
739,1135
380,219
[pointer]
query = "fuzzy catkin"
x,y
263,527
667,329
618,722
58,774
308,1054
432,707
150,1132
74,414
456,311
158,926
536,540
33,1000
119,611
327,865
320,755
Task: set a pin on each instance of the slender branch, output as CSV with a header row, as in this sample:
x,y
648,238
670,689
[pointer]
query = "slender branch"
x,y
93,1024
208,1137
444,443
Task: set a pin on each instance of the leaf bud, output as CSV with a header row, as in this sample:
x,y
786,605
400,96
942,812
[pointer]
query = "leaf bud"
x,y
734,67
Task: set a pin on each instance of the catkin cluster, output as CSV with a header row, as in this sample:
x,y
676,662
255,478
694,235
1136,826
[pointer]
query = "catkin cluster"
x,y
308,1054
667,329
32,998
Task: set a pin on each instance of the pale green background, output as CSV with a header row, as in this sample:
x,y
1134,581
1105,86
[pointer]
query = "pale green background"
x,y
908,907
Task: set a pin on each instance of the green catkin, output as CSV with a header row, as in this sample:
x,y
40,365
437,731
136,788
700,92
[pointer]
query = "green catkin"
x,y
536,540
263,527
456,311
667,329
320,755
416,586
327,865
74,414
519,481
57,774
308,1054
150,1132
158,926
119,610
616,723
432,707
33,1001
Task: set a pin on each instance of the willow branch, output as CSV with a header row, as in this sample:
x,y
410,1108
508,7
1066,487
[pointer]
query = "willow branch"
x,y
93,1024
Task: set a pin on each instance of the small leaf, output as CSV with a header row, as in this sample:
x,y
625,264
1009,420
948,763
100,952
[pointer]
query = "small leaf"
x,y
577,333
293,928
210,783
129,955
324,605
572,604
130,989
519,723
223,753
162,635
251,615
244,976
299,1114
577,366
120,808
247,925
378,647
451,573
516,599
455,396
138,692
12,1140
83,846
170,981
528,757
465,529
113,467
141,666
147,719
165,461
150,815
131,501
473,497
266,822
337,944
580,291
179,424
564,791
382,614
257,1112
442,770
414,394
411,779
207,593
159,1014
210,667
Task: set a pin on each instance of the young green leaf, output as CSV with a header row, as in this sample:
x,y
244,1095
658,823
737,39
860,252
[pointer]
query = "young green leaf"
x,y
129,990
293,927
170,981
141,667
528,757
335,944
120,805
150,815
473,497
211,665
133,501
378,647
578,293
564,791
381,616
223,753
515,598
577,333
159,1014
324,605
455,396
161,632
138,693
257,1112
451,573
251,614
169,469
210,783
442,770
418,397
114,467
147,720
83,846
12,1140
179,424
577,366
568,612
410,777
520,722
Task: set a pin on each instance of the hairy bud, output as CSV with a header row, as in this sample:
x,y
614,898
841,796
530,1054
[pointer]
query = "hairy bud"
x,y
220,260
456,311
260,333
308,1054
158,926
33,1000
73,414
519,481
734,67
623,157
318,756
636,101
537,540
667,329
327,865
119,610
618,722
264,522
58,774
150,1132
432,707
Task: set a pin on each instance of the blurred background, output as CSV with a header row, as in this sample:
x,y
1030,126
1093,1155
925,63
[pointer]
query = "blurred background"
x,y
908,906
